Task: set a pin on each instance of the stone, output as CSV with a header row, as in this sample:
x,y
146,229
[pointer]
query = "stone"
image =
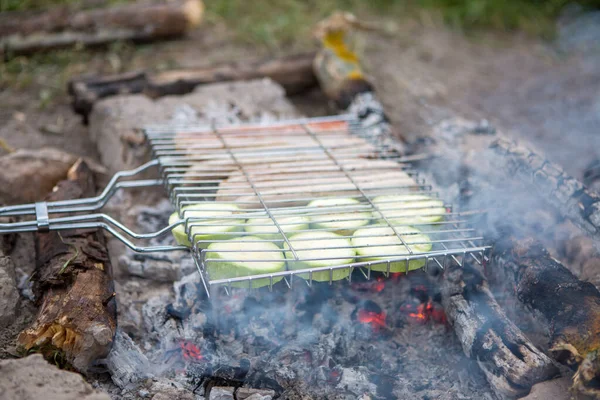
x,y
254,394
116,122
556,389
40,170
9,294
221,393
34,378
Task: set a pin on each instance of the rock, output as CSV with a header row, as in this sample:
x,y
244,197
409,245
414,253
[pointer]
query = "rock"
x,y
221,393
556,389
254,394
115,122
33,378
9,294
40,170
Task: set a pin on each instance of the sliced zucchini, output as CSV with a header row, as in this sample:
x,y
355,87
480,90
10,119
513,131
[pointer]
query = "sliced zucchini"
x,y
407,209
320,249
251,258
382,243
341,222
266,229
214,229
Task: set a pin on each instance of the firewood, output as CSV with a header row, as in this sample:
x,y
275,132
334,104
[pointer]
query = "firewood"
x,y
294,73
510,362
569,196
571,307
23,33
73,284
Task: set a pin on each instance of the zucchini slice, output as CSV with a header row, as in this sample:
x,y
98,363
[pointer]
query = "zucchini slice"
x,y
382,243
338,221
251,258
266,229
320,249
214,229
407,209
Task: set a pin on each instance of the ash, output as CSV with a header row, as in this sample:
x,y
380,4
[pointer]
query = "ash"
x,y
385,338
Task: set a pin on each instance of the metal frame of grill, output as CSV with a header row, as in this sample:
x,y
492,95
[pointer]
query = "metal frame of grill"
x,y
194,161
190,174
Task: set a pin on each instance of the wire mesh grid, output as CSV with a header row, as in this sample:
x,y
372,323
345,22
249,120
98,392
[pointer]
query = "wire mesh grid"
x,y
305,200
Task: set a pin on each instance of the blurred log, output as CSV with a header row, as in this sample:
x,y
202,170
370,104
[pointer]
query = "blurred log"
x,y
340,75
570,307
73,283
294,73
23,33
569,196
510,362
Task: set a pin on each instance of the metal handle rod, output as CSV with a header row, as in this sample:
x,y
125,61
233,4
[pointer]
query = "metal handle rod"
x,y
93,203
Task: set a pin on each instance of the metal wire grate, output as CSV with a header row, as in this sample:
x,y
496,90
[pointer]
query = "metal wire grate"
x,y
273,172
269,175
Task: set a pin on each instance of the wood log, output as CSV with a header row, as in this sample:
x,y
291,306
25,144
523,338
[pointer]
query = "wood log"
x,y
293,72
23,33
73,284
510,362
340,75
570,307
569,196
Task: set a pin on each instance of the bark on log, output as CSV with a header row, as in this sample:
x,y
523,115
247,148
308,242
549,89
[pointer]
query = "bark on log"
x,y
511,363
570,197
570,307
22,33
73,283
294,73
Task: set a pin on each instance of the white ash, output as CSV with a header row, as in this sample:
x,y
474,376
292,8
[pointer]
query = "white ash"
x,y
126,363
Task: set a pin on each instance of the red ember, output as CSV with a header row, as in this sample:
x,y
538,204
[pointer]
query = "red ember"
x,y
377,320
190,351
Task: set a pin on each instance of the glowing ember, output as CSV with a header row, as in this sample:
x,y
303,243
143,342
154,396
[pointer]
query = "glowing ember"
x,y
190,351
426,312
377,320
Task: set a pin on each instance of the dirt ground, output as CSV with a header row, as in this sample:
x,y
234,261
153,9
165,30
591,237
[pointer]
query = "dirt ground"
x,y
423,72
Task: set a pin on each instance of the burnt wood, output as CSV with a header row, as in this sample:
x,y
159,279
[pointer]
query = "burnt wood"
x,y
74,288
570,306
568,195
510,362
23,33
293,72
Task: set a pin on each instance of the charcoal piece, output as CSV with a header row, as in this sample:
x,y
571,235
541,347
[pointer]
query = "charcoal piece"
x,y
178,313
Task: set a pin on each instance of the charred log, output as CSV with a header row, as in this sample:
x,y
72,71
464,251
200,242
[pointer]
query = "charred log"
x,y
294,73
22,33
570,197
73,285
570,306
511,363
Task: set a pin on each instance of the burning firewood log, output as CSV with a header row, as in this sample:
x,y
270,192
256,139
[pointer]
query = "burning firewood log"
x,y
73,284
294,73
570,197
570,307
511,363
22,33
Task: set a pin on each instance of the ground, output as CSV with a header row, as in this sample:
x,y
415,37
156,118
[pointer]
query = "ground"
x,y
545,92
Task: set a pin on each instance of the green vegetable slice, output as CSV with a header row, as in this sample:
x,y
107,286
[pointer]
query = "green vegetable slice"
x,y
320,249
341,222
251,258
213,229
409,209
382,243
266,229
